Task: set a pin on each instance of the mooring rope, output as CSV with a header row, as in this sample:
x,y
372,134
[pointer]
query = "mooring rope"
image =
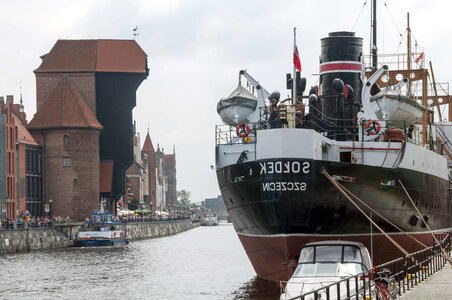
x,y
381,216
324,172
445,255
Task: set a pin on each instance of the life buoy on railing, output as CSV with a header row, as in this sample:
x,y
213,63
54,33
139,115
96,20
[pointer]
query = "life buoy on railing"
x,y
242,130
372,127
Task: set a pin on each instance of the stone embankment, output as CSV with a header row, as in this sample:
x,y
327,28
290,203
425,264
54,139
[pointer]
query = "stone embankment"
x,y
63,235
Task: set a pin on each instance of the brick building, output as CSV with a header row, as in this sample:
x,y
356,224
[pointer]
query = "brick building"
x,y
86,90
161,176
20,163
148,157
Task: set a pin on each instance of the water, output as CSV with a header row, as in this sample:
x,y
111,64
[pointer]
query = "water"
x,y
202,263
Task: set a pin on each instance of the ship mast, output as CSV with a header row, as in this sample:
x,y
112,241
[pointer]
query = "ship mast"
x,y
408,29
374,35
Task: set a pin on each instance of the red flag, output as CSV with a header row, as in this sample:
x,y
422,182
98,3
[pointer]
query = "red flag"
x,y
420,57
296,58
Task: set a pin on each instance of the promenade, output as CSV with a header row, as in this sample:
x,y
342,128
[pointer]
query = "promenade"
x,y
438,286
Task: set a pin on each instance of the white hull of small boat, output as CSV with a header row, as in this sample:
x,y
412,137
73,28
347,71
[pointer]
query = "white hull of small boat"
x,y
397,109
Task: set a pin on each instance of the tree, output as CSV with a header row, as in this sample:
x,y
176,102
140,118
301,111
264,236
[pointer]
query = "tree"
x,y
183,198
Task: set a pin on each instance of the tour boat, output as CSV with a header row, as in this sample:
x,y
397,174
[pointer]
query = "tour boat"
x,y
100,231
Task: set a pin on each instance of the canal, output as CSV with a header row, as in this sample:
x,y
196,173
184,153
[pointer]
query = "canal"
x,y
202,263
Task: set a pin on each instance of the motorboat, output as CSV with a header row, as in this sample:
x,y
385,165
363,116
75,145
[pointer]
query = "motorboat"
x,y
322,264
101,230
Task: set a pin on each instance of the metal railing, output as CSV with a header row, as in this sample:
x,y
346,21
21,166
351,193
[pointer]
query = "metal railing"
x,y
407,272
343,129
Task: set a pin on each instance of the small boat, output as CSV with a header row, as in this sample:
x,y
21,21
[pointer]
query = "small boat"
x,y
237,106
101,231
325,263
393,107
209,221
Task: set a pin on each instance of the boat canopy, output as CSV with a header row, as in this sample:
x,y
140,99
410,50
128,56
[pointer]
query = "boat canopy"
x,y
235,108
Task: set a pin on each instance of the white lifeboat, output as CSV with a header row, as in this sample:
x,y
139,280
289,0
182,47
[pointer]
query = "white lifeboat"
x,y
400,110
236,108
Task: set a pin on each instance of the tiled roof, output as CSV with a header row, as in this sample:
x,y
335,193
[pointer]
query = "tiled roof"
x,y
65,107
147,146
23,136
106,176
120,56
95,56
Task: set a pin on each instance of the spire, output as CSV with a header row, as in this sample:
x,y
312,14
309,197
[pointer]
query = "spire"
x,y
147,146
21,106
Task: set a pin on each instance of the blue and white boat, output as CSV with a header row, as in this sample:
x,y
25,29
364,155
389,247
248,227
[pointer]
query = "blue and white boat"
x,y
101,231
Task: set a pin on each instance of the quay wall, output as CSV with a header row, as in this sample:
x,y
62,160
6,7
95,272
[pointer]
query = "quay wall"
x,y
24,240
140,231
63,235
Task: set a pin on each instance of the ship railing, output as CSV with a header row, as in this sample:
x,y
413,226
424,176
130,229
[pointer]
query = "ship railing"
x,y
405,274
288,117
227,135
396,61
445,146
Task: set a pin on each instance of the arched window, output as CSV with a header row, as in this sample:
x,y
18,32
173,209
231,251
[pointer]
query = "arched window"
x,y
65,140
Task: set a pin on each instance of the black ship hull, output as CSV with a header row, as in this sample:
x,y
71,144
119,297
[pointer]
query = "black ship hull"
x,y
277,206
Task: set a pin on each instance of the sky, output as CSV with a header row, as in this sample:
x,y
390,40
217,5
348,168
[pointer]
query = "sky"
x,y
196,48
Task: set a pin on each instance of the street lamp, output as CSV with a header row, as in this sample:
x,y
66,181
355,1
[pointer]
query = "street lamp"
x,y
50,210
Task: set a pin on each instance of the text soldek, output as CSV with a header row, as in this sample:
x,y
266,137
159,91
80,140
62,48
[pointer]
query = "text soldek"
x,y
284,167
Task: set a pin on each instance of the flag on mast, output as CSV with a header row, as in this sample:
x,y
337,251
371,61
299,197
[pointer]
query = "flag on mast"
x,y
420,57
296,56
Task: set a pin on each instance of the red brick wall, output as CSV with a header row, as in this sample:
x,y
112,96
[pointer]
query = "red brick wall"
x,y
75,189
46,83
11,138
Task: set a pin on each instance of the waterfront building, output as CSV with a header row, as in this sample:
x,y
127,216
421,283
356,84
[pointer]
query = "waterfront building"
x,y
161,180
135,175
148,157
170,174
69,133
161,176
20,163
86,90
216,206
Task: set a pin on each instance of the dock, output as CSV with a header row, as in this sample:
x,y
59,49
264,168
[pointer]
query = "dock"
x,y
438,286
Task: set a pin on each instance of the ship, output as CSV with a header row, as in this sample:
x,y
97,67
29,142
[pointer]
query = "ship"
x,y
357,158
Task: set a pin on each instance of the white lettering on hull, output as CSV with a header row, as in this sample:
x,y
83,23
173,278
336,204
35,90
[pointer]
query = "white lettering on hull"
x,y
283,186
287,167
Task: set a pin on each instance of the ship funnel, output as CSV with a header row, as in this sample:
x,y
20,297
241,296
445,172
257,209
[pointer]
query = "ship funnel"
x,y
341,59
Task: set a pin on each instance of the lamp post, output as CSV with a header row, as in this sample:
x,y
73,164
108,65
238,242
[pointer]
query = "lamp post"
x,y
50,210
7,208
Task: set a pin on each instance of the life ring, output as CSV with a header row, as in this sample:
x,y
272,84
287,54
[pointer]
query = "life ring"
x,y
114,233
242,130
372,127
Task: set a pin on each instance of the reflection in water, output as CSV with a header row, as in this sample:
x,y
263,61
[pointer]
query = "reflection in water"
x,y
203,263
257,289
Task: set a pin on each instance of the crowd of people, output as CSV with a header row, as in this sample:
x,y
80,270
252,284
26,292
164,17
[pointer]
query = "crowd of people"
x,y
25,220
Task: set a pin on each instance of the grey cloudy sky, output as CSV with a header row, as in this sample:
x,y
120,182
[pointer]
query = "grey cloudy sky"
x,y
196,48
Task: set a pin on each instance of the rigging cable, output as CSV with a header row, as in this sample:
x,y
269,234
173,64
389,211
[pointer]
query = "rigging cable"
x,y
356,21
381,216
324,172
445,255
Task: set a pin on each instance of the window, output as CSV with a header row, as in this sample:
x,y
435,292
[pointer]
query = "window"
x,y
65,140
66,162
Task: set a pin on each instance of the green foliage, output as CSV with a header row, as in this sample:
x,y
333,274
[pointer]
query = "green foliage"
x,y
184,198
